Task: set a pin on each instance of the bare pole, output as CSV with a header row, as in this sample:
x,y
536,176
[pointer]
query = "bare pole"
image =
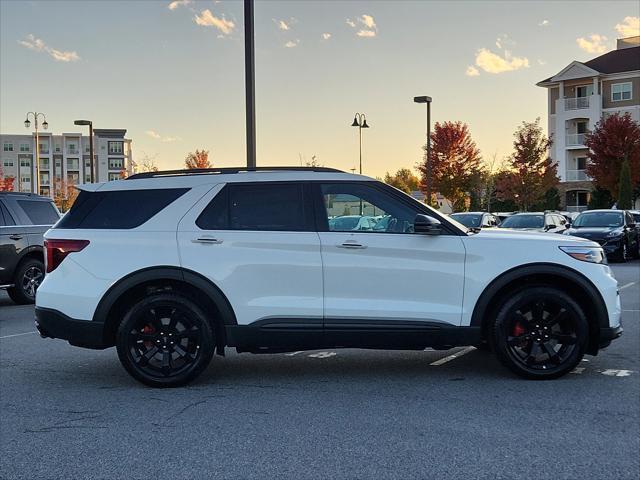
x,y
91,151
250,80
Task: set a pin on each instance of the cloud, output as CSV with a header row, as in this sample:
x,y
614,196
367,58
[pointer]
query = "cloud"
x,y
544,23
368,27
157,136
207,19
630,27
292,43
177,3
38,45
472,71
326,36
282,25
593,44
492,62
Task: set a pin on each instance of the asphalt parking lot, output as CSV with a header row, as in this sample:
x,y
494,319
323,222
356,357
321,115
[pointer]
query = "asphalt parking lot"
x,y
67,412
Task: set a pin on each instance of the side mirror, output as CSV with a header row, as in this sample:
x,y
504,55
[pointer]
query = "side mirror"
x,y
548,227
567,225
426,225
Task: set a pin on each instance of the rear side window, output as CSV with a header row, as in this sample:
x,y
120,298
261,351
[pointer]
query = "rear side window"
x,y
259,206
39,213
118,210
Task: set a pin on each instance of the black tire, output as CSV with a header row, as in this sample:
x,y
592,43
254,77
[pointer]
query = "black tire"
x,y
165,340
28,278
540,333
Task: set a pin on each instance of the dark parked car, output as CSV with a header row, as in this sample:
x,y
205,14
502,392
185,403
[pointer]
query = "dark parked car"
x,y
615,230
476,219
24,218
551,222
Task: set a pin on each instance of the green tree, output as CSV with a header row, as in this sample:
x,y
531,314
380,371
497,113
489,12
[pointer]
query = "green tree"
x,y
625,195
600,198
404,179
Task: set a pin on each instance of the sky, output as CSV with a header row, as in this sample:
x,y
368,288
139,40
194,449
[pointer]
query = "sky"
x,y
172,72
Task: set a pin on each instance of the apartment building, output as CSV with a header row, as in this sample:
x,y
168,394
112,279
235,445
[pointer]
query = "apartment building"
x,y
578,96
64,158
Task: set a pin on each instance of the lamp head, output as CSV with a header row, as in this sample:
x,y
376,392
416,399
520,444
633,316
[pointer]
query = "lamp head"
x,y
27,123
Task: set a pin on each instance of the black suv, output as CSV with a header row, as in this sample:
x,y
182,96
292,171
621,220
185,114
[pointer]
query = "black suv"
x,y
24,217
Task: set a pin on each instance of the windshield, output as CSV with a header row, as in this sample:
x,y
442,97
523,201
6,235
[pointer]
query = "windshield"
x,y
468,219
523,221
599,219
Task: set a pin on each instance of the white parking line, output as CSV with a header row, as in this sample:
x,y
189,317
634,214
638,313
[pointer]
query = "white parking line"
x,y
577,370
627,285
616,373
18,335
446,359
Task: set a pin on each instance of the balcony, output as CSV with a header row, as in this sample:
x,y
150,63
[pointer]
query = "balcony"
x,y
577,103
72,151
577,175
575,140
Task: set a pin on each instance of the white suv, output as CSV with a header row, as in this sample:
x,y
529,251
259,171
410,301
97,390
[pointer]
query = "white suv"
x,y
172,266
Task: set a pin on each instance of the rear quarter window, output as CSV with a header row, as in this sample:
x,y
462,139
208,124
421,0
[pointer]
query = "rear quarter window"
x,y
39,212
120,210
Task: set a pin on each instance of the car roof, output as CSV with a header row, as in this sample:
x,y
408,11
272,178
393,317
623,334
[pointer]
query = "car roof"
x,y
26,195
608,210
469,213
187,179
528,213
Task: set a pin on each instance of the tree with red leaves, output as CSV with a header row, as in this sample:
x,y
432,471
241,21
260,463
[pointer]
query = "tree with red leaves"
x,y
531,173
6,184
614,140
455,162
197,159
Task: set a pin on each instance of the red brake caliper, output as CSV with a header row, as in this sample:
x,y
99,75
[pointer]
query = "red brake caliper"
x,y
146,330
518,329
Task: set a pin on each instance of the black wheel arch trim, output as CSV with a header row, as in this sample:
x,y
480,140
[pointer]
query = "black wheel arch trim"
x,y
150,274
484,302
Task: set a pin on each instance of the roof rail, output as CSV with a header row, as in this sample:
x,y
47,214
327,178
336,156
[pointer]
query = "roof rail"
x,y
227,171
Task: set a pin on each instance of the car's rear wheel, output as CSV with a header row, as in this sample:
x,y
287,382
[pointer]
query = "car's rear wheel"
x,y
165,340
28,278
540,333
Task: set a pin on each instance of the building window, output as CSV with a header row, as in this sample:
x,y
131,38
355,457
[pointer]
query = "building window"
x,y
8,147
73,164
44,163
44,147
72,148
621,91
44,178
581,126
25,162
73,178
57,147
116,163
115,148
87,178
24,147
7,163
114,176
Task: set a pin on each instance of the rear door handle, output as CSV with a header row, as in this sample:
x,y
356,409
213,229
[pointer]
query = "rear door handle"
x,y
351,244
207,240
16,237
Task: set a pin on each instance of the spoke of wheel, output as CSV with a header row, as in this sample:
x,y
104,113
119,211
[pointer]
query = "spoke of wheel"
x,y
564,339
533,353
522,319
515,341
553,356
143,336
188,357
193,332
538,311
148,355
553,320
166,363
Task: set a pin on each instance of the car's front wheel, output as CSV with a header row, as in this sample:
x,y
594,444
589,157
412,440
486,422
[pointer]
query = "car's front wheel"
x,y
165,340
540,333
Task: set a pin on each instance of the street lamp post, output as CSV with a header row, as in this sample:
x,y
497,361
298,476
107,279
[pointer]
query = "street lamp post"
x,y
360,121
250,83
27,124
90,123
427,100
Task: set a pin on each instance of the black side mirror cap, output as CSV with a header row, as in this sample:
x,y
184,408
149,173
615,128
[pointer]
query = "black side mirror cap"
x,y
426,225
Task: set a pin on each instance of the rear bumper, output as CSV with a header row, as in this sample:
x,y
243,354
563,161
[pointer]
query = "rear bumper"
x,y
81,333
608,334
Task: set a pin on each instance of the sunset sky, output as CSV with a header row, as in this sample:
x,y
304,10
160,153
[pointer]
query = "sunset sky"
x,y
171,73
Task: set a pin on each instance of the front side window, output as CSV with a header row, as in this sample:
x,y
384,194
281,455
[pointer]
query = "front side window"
x,y
621,91
259,206
362,208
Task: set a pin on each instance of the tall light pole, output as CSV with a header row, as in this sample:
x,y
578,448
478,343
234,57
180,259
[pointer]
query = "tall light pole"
x,y
90,123
360,121
45,125
427,100
250,83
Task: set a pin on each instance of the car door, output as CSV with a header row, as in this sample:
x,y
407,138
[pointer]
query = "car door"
x,y
257,243
13,241
389,275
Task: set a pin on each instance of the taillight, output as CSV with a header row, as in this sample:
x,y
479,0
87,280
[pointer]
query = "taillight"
x,y
57,250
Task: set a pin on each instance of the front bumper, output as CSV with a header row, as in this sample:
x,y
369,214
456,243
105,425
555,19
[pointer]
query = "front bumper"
x,y
608,334
81,333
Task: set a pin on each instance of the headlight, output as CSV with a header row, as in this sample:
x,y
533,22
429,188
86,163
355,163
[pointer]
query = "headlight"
x,y
614,233
586,254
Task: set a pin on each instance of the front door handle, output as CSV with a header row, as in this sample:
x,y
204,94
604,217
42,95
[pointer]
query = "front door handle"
x,y
16,237
351,244
207,240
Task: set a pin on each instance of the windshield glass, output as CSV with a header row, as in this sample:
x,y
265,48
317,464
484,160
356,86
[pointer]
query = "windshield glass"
x,y
523,221
468,219
599,219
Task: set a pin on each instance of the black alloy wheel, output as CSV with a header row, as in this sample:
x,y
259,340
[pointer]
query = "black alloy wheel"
x,y
29,276
540,333
165,340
